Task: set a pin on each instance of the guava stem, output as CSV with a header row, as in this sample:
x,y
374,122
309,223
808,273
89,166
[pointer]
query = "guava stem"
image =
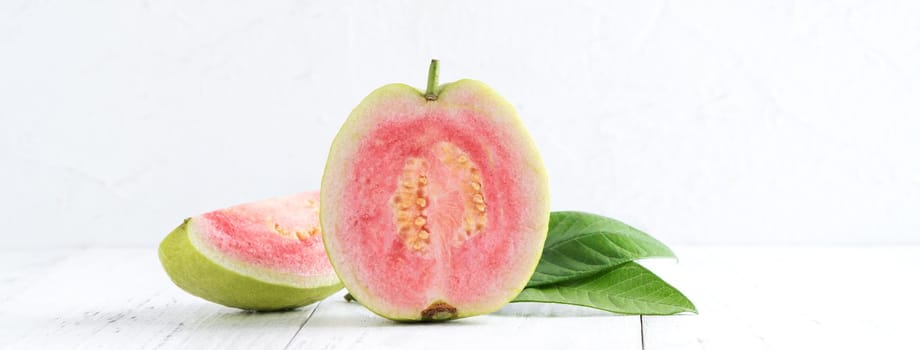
x,y
431,93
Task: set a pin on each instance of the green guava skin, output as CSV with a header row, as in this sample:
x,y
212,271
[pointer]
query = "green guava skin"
x,y
198,275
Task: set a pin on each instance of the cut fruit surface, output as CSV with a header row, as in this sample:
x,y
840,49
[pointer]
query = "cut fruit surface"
x,y
265,255
434,208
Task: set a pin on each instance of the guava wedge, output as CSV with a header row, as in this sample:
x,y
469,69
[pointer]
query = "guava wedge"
x,y
434,205
266,255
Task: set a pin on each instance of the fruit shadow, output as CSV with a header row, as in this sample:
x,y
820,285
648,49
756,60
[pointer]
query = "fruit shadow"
x,y
180,317
550,310
170,324
335,312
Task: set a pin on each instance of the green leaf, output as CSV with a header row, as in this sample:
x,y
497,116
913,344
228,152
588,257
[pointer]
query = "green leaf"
x,y
581,244
627,288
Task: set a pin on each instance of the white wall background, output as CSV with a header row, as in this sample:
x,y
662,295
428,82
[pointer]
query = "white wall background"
x,y
710,122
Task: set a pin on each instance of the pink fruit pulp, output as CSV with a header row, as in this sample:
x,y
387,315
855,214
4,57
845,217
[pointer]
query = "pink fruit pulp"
x,y
478,260
265,234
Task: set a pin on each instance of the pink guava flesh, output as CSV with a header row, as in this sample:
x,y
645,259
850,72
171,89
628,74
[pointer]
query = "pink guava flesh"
x,y
434,208
281,235
457,272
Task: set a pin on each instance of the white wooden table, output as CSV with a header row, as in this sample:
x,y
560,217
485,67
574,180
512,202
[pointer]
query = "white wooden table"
x,y
748,298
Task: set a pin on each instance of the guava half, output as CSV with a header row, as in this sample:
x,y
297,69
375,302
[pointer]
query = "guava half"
x,y
434,205
266,255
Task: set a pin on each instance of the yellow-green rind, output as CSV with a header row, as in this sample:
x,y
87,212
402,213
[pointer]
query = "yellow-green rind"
x,y
537,167
349,131
193,272
352,130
